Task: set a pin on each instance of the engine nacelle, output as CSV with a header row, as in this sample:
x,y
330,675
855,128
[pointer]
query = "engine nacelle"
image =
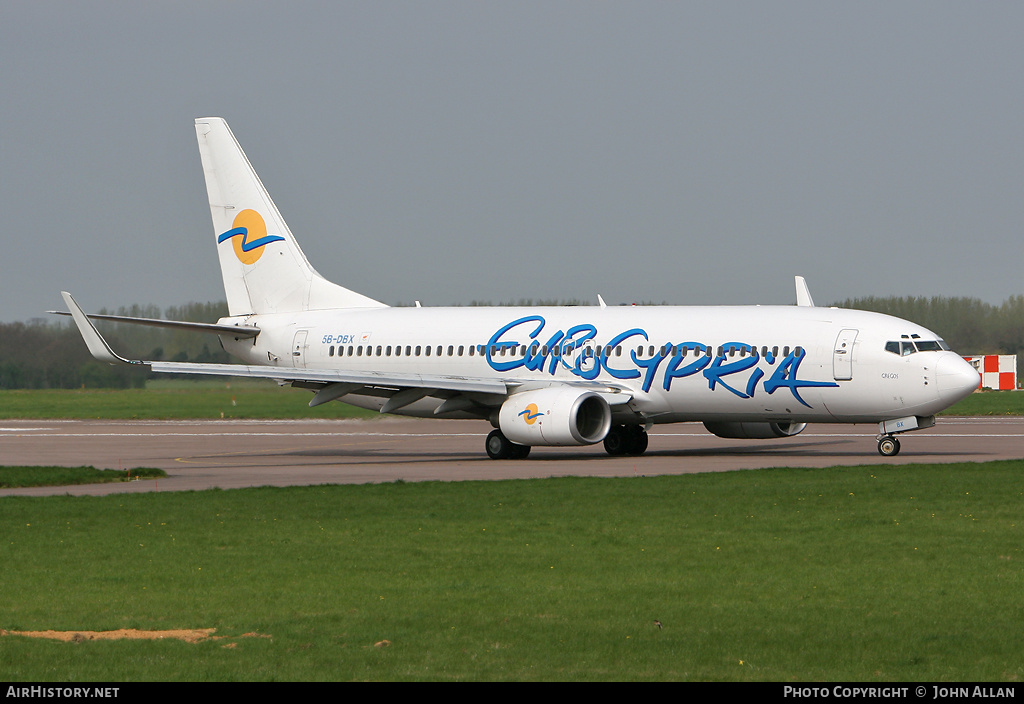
x,y
556,415
754,431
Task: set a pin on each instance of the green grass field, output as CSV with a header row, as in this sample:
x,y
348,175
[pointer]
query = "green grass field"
x,y
174,400
908,573
11,477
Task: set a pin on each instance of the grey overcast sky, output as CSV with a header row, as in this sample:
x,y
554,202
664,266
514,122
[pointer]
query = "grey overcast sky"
x,y
689,152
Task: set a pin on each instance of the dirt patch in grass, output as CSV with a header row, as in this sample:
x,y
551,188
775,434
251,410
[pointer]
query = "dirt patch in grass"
x,y
189,635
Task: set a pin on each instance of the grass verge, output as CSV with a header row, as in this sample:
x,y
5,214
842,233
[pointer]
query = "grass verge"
x,y
173,401
15,477
989,403
908,573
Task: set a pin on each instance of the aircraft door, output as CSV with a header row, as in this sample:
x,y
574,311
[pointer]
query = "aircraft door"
x,y
299,349
842,355
588,356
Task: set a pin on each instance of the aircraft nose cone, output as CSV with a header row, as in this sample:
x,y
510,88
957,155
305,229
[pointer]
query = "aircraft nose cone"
x,y
955,378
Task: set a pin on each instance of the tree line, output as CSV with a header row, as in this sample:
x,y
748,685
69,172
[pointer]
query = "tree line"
x,y
51,354
969,325
44,354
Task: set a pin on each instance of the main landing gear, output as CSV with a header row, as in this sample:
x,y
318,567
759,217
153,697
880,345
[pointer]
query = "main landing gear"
x,y
500,447
621,440
626,440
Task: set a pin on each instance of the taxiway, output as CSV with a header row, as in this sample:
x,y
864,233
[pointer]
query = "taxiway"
x,y
233,454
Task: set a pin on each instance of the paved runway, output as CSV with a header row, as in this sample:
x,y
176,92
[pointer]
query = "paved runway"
x,y
232,454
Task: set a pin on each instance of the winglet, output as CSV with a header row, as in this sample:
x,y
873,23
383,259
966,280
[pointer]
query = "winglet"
x,y
95,342
803,294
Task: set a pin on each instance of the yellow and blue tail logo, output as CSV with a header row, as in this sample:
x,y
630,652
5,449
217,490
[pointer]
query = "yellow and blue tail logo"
x,y
248,236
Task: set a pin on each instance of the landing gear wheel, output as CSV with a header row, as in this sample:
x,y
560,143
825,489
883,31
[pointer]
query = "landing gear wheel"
x,y
626,440
501,448
519,452
616,441
637,441
888,446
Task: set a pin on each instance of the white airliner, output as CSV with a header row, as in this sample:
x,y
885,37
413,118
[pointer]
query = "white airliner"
x,y
550,375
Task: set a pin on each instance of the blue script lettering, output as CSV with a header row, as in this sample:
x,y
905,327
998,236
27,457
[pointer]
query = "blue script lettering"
x,y
573,350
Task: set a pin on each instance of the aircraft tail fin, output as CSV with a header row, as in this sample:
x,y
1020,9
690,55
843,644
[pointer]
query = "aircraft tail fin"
x,y
263,267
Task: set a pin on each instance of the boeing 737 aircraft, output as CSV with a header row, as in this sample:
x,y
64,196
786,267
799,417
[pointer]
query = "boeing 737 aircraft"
x,y
552,375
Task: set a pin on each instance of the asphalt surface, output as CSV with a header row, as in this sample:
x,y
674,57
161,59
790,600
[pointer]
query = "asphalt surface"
x,y
233,454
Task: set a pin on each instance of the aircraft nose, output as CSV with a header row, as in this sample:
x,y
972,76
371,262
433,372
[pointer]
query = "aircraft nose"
x,y
955,378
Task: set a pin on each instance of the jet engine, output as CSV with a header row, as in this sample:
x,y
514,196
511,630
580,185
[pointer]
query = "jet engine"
x,y
556,415
754,431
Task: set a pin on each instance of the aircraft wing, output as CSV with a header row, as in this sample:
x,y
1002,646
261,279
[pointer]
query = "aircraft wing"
x,y
400,389
333,376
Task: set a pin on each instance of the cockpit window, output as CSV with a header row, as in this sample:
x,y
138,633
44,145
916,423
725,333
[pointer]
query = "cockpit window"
x,y
905,347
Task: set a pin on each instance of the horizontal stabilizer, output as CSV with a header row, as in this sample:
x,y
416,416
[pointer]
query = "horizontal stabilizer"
x,y
239,331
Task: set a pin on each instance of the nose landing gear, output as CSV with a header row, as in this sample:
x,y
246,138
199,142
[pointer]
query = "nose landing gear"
x,y
888,446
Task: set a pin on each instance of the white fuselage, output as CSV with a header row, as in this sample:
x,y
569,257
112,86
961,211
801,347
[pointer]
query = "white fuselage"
x,y
736,363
